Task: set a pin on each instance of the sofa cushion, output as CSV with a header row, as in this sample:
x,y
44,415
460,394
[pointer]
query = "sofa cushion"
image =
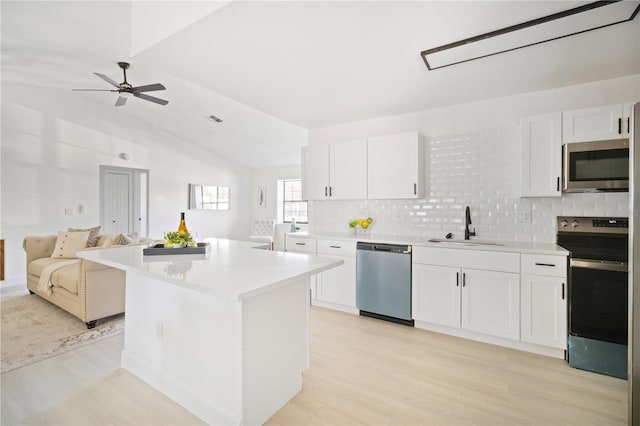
x,y
68,243
35,267
94,234
66,277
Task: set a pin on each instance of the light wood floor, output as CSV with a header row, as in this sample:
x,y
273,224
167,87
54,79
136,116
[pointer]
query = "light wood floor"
x,y
363,371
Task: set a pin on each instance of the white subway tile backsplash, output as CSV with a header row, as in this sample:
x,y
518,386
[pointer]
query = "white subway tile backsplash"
x,y
478,168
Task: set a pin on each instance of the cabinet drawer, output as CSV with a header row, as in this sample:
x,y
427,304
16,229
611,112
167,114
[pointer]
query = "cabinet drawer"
x,y
300,244
474,259
548,265
337,247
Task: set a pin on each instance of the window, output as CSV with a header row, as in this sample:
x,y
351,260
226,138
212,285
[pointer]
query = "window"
x,y
208,197
293,206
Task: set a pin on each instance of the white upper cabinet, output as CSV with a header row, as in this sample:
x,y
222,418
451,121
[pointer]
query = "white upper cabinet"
x,y
348,170
396,166
541,155
336,171
315,172
593,124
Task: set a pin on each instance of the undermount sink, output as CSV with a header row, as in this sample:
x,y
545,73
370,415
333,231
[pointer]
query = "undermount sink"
x,y
465,242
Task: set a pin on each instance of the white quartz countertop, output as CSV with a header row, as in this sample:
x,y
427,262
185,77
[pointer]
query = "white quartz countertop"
x,y
504,246
233,269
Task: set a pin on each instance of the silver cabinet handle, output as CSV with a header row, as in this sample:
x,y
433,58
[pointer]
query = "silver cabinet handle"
x,y
457,279
301,244
335,247
545,264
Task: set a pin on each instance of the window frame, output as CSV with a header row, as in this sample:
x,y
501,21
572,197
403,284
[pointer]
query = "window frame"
x,y
285,201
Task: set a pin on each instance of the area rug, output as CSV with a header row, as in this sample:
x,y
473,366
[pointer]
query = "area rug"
x,y
32,329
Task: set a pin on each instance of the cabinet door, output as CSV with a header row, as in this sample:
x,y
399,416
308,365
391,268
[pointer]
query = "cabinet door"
x,y
348,170
395,166
541,155
592,124
491,302
436,294
315,172
544,311
338,285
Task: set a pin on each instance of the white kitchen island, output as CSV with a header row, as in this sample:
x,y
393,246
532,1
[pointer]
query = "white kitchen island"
x,y
224,334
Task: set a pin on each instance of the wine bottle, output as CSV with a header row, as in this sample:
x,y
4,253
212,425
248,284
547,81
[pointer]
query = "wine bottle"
x,y
182,228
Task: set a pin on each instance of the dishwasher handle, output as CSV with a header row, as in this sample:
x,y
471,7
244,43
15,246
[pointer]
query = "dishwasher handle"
x,y
388,248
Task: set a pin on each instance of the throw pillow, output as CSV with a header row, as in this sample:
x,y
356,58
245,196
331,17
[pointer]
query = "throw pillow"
x,y
123,240
68,243
94,234
107,241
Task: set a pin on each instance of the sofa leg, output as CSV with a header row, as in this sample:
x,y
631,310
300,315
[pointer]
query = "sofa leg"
x,y
91,324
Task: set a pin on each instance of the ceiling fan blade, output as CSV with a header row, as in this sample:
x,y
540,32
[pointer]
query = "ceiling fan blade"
x,y
121,101
149,88
93,90
150,98
107,79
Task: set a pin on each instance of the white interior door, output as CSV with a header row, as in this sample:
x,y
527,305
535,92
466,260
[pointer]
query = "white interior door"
x,y
124,201
116,204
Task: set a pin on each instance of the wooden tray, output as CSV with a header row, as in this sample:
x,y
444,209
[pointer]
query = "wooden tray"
x,y
160,249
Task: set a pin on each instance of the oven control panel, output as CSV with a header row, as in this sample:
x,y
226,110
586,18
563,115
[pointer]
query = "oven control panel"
x,y
609,225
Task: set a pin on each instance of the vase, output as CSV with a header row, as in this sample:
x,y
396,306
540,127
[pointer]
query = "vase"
x,y
352,232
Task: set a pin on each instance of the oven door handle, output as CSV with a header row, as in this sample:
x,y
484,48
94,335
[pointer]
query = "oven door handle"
x,y
602,265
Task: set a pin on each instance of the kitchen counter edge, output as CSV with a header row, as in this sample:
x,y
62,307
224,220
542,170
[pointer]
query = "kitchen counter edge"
x,y
521,247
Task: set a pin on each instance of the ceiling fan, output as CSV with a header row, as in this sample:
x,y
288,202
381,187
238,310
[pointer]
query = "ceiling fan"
x,y
127,89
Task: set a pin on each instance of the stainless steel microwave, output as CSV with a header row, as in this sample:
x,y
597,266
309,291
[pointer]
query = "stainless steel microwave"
x,y
596,166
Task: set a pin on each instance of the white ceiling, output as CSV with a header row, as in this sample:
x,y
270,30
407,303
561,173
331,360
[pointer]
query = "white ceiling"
x,y
271,70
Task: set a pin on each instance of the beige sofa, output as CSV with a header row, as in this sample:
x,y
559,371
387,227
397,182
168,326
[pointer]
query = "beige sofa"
x,y
88,290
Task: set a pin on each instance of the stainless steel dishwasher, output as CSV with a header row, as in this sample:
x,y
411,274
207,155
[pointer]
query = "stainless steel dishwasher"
x,y
383,281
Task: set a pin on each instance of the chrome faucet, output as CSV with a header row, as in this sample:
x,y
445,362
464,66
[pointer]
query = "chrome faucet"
x,y
467,222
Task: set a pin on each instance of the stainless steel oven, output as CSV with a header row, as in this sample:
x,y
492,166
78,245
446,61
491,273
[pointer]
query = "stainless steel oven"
x,y
597,292
596,166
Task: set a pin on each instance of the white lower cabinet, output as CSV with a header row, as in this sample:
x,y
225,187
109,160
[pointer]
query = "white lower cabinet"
x,y
511,299
303,245
336,288
476,300
338,285
436,294
544,300
491,303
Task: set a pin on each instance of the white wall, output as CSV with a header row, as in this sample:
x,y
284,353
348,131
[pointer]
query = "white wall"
x,y
474,159
268,178
52,146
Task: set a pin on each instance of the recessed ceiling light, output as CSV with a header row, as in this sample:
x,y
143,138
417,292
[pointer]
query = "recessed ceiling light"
x,y
569,22
216,119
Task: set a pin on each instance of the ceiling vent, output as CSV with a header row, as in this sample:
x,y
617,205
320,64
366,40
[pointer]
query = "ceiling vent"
x,y
216,119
